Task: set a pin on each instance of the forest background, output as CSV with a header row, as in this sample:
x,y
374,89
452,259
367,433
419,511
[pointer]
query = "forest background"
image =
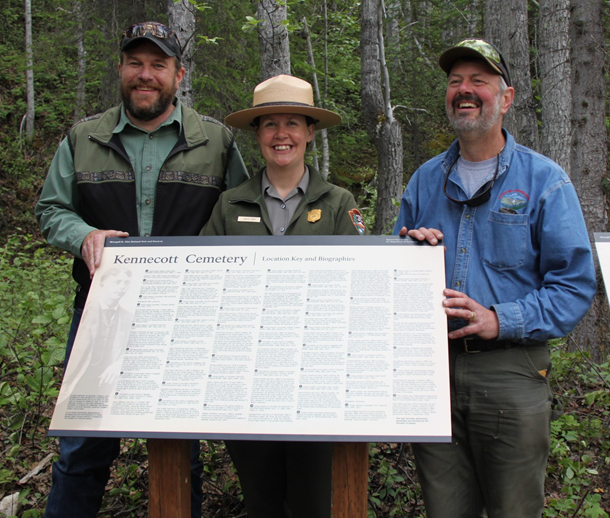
x,y
374,63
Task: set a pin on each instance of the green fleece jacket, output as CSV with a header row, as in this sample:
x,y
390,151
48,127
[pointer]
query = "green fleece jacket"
x,y
94,185
324,210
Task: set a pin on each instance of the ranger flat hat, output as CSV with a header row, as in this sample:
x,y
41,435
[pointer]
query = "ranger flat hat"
x,y
283,94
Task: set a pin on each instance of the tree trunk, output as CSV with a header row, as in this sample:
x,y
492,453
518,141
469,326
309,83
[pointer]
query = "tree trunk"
x,y
506,27
181,19
463,21
316,90
589,153
393,10
109,85
79,108
325,96
556,83
29,75
383,128
273,38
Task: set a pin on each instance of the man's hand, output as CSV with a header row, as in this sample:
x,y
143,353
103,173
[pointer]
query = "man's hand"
x,y
92,247
431,235
481,321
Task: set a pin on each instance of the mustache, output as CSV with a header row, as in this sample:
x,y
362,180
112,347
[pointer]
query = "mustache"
x,y
466,98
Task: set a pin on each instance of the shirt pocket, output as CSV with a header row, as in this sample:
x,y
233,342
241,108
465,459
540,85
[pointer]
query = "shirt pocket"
x,y
504,240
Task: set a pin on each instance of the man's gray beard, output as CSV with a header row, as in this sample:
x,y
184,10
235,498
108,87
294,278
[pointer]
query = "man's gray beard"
x,y
149,113
481,124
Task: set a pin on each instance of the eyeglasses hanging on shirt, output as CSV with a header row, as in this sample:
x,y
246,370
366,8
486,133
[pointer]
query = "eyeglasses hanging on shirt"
x,y
478,199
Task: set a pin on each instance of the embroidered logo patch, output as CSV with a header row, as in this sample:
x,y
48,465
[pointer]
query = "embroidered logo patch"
x,y
514,200
357,220
314,215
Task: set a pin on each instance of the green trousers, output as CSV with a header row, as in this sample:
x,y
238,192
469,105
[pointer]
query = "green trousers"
x,y
501,407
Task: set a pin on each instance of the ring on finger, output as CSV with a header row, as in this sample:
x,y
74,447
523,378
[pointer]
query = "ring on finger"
x,y
472,316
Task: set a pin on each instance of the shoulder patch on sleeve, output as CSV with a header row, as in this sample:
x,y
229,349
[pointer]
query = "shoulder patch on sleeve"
x,y
357,220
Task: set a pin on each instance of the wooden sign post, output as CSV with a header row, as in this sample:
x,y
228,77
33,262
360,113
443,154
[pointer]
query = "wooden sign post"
x,y
169,479
350,479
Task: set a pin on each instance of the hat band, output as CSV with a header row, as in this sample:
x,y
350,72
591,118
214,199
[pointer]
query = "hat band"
x,y
283,103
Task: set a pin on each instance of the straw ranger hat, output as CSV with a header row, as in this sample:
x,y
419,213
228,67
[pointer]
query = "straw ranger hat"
x,y
283,94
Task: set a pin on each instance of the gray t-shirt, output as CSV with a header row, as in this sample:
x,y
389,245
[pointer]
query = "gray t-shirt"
x,y
475,175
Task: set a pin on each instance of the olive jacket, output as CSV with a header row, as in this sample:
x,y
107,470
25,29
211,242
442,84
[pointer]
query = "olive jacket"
x,y
324,210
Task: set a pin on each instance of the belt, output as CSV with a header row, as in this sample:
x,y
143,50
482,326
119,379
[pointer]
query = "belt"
x,y
473,345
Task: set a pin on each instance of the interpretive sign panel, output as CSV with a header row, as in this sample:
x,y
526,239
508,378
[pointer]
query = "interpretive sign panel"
x,y
602,245
330,338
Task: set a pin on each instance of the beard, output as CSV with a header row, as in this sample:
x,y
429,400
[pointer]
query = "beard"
x,y
150,112
489,115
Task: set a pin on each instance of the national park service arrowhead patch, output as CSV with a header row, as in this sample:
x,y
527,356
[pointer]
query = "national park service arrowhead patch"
x,y
357,220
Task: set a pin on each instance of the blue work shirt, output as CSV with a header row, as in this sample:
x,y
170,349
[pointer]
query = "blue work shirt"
x,y
525,253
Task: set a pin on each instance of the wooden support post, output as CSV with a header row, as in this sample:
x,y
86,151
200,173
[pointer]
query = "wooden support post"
x,y
350,479
169,478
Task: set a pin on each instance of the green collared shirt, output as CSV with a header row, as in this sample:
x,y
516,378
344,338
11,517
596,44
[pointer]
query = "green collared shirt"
x,y
59,191
147,151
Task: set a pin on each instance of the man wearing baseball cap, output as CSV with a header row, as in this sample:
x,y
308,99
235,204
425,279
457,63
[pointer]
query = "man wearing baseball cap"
x,y
519,271
148,167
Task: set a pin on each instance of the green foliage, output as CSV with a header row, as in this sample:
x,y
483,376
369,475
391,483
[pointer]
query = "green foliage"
x,y
367,201
251,24
128,493
393,492
35,310
34,313
35,281
580,447
201,7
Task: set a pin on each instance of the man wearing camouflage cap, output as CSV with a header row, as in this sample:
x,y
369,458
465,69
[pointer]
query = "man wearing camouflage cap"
x,y
519,271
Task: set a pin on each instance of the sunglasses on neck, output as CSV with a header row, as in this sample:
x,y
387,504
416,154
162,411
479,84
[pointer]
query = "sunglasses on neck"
x,y
480,198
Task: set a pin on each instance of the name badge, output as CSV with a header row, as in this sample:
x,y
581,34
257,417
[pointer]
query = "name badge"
x,y
248,219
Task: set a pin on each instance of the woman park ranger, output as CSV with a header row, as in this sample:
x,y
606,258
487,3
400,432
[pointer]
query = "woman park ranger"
x,y
287,197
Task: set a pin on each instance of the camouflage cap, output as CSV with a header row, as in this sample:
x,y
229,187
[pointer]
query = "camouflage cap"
x,y
478,49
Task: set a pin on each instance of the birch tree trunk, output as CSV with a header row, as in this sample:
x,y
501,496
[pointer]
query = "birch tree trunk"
x,y
589,154
506,27
79,108
383,129
316,90
273,38
29,75
556,83
325,96
393,10
181,19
